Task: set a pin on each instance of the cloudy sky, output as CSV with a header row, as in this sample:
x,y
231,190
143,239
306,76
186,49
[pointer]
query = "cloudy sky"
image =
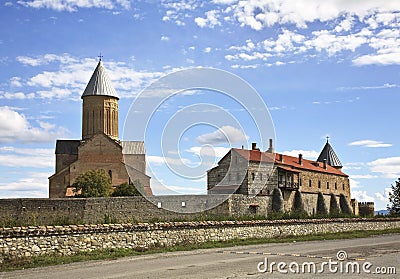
x,y
323,68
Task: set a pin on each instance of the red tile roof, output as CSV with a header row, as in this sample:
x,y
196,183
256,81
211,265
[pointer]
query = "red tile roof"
x,y
289,162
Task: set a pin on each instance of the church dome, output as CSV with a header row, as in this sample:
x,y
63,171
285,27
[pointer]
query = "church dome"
x,y
99,84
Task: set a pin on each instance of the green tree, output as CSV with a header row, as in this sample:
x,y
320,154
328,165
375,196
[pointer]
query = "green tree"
x,y
93,183
298,206
126,189
277,200
394,199
334,209
344,205
321,206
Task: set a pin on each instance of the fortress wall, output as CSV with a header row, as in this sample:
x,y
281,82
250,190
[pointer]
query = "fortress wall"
x,y
62,211
37,212
66,240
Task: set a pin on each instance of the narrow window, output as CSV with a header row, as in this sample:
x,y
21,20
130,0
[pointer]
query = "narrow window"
x,y
335,186
260,176
252,176
309,183
343,186
327,185
110,174
93,122
319,184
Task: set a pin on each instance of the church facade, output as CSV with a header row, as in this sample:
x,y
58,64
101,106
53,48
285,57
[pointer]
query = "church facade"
x,y
99,147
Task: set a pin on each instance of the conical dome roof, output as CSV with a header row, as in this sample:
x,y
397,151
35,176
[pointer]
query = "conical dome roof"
x,y
330,156
99,84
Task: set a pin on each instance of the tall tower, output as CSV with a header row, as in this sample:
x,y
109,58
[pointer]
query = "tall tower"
x,y
100,106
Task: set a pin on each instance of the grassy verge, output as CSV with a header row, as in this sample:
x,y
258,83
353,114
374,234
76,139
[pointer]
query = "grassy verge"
x,y
109,254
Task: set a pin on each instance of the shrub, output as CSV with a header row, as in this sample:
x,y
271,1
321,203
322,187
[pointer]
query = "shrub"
x,y
277,200
126,189
344,205
93,183
321,206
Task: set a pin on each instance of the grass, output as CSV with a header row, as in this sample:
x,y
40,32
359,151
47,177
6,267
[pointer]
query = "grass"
x,y
110,254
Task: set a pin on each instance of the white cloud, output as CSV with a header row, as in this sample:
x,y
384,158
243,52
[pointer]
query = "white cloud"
x,y
225,134
384,86
353,166
362,196
345,25
373,25
69,80
74,5
34,185
15,82
324,40
370,143
210,21
164,38
208,150
16,95
14,127
45,59
354,184
383,196
307,154
388,167
27,157
261,14
363,176
159,187
378,59
207,50
159,160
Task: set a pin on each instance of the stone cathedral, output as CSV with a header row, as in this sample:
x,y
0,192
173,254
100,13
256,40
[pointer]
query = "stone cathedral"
x,y
99,147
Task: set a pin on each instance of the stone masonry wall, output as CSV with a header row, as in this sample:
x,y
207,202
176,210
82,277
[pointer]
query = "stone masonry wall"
x,y
20,242
36,212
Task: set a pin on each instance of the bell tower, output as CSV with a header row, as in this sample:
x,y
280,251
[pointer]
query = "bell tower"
x,y
100,106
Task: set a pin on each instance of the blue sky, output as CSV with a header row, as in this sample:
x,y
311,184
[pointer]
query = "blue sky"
x,y
321,67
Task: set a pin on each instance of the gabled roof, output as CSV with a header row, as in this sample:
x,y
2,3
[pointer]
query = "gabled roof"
x,y
99,84
293,162
67,147
287,162
330,156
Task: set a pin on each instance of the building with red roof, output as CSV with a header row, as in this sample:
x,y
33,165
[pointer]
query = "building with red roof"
x,y
257,173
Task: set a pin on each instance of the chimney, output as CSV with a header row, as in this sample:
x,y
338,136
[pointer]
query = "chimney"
x,y
300,159
271,148
325,164
254,146
281,158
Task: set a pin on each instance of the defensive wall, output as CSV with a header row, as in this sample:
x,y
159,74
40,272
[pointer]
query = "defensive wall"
x,y
20,242
61,211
